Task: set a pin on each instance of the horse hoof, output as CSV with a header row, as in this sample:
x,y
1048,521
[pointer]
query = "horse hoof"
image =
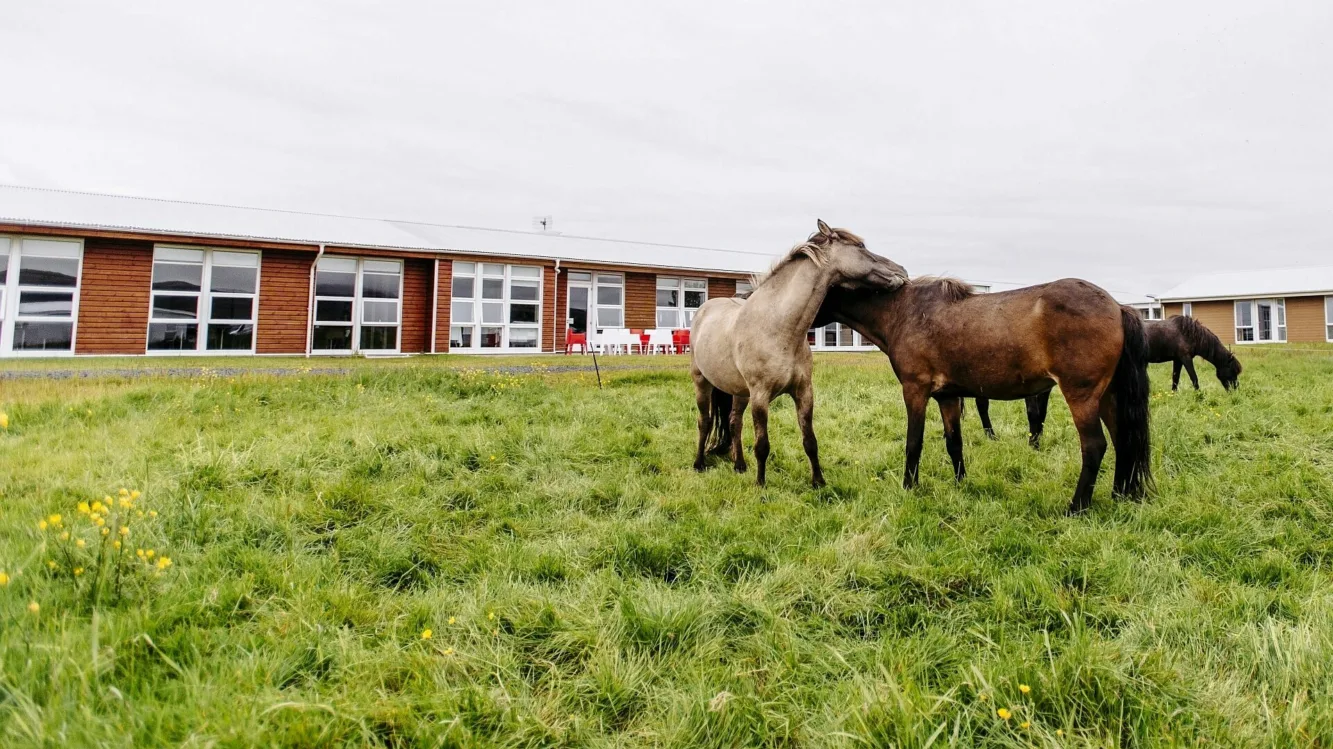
x,y
741,468
699,467
818,484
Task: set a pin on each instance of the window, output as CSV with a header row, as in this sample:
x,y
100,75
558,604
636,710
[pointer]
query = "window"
x,y
39,285
743,287
496,307
834,336
1187,309
1328,318
1261,320
358,305
203,300
677,299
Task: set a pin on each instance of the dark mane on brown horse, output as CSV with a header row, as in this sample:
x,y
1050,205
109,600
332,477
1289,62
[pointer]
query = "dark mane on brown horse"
x,y
1203,341
952,289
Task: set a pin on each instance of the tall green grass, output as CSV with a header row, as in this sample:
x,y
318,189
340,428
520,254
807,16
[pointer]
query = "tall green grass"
x,y
583,587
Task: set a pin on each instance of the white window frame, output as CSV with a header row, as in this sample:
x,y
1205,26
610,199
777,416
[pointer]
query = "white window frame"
x,y
11,294
748,287
594,281
377,265
684,315
1279,321
203,316
844,339
479,272
1187,309
1328,318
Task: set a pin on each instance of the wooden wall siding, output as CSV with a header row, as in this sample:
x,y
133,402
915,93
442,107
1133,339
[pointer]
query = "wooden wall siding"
x,y
1171,309
1305,319
417,298
640,300
548,315
284,299
561,308
446,290
113,296
1217,317
721,287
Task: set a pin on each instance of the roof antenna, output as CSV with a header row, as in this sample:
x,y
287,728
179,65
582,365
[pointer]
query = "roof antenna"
x,y
542,223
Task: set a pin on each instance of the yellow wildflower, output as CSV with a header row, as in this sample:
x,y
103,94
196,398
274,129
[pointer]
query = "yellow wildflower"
x,y
80,543
98,507
4,579
448,651
152,513
1004,713
163,562
149,553
1024,688
139,514
99,522
124,492
41,525
425,634
84,509
1059,732
135,494
138,553
34,607
115,544
490,615
124,530
51,563
78,571
452,620
983,697
4,420
55,519
106,531
1025,725
64,536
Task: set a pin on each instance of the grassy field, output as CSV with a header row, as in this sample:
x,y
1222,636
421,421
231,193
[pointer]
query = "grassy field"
x,y
422,553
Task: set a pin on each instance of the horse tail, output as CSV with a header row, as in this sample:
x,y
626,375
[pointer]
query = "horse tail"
x,y
1129,384
722,402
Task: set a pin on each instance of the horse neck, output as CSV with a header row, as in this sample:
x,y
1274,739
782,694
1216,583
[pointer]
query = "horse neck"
x,y
793,295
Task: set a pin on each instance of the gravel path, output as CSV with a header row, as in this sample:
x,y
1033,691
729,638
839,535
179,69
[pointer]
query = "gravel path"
x,y
71,374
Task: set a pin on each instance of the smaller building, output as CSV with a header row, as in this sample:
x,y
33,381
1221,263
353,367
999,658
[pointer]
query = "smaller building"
x,y
1267,305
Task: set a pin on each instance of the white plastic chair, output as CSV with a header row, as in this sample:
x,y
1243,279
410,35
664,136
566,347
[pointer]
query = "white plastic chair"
x,y
660,339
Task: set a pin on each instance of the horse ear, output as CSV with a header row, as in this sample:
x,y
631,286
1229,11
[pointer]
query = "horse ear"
x,y
823,227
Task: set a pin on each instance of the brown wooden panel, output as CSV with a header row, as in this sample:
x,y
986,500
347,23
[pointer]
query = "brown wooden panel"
x,y
442,313
113,296
418,276
1218,317
721,287
1171,309
640,300
549,324
284,301
561,308
1305,319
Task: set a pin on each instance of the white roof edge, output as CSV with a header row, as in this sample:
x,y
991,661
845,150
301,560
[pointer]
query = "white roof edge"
x,y
1268,295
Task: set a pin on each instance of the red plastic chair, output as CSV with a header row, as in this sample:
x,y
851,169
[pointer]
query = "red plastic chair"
x,y
681,337
573,339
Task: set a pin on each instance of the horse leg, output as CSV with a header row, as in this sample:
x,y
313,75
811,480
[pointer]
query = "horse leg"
x,y
805,417
1086,408
1175,374
1189,369
737,423
915,399
703,398
1036,407
759,415
951,412
1121,462
983,410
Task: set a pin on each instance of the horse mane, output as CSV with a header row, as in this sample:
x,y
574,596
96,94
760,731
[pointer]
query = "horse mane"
x,y
816,248
1202,340
952,289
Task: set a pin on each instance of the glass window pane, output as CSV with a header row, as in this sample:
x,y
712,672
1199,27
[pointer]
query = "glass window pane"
x,y
576,276
667,297
609,295
667,318
462,312
523,292
46,304
232,308
694,299
464,287
491,269
333,311
177,277
229,280
178,255
335,283
844,335
521,313
333,338
230,337
379,312
4,263
460,336
524,271
173,337
391,267
491,337
668,283
379,286
241,259
492,288
523,338
167,307
48,271
605,280
1243,314
43,336
492,312
379,337
464,268
610,317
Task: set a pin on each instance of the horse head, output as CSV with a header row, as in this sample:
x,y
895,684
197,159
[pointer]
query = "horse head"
x,y
852,266
1228,373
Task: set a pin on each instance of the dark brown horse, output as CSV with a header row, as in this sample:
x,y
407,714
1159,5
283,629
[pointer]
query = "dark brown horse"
x,y
946,343
1176,339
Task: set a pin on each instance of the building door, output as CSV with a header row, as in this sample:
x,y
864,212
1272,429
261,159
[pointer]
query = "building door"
x,y
1265,320
580,295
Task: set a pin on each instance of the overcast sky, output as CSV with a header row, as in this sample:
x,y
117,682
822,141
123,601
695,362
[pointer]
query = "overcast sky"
x,y
1129,143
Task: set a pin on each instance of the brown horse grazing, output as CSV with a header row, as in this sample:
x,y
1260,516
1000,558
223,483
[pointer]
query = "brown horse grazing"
x,y
1176,339
753,350
946,343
